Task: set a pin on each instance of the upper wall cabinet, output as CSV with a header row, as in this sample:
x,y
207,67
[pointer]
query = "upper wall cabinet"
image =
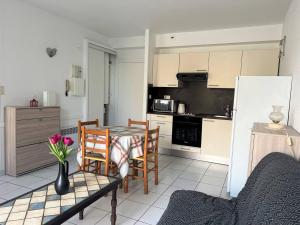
x,y
193,62
224,67
166,67
263,62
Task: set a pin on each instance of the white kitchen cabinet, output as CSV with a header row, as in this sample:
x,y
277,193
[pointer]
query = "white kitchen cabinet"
x,y
193,62
165,123
224,67
166,68
262,62
216,138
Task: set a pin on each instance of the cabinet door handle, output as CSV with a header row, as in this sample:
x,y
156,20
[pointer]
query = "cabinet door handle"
x,y
211,121
201,70
172,85
161,123
213,85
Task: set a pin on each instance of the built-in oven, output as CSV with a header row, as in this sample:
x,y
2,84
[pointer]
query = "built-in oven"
x,y
187,131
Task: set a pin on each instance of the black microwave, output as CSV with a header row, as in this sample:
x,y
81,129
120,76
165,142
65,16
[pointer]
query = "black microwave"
x,y
163,105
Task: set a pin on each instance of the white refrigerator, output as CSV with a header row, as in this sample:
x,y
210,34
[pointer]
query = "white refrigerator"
x,y
253,100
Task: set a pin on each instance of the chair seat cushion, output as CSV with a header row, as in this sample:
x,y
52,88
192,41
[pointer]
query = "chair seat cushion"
x,y
196,208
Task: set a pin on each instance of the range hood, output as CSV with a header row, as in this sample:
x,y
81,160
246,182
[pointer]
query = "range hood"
x,y
202,76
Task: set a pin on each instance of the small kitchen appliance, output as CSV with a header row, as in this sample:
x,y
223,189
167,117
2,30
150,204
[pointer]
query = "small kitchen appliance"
x,y
163,105
181,108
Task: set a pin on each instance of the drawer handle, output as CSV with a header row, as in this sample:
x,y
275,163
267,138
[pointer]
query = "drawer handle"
x,y
186,149
211,121
172,85
213,85
161,123
201,70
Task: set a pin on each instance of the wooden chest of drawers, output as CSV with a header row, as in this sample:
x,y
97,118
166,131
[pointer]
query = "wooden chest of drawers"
x,y
26,133
265,141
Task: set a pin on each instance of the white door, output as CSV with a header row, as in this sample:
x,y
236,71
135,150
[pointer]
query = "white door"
x,y
130,96
255,97
96,84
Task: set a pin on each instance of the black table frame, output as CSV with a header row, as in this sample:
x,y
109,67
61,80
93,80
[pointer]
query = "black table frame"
x,y
79,207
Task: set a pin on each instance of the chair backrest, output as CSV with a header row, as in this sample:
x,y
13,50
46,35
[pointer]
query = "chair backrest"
x,y
83,124
95,141
151,141
271,194
144,124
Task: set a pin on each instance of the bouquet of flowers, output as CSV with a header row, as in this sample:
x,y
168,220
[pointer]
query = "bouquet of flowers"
x,y
59,147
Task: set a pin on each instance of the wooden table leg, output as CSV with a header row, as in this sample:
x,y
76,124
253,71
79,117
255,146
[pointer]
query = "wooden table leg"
x,y
81,215
113,216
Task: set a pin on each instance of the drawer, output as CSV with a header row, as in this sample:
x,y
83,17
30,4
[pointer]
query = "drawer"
x,y
36,130
186,148
163,118
165,141
32,157
165,128
33,113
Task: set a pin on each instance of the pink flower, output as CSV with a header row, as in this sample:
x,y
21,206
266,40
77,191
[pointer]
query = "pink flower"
x,y
55,139
68,141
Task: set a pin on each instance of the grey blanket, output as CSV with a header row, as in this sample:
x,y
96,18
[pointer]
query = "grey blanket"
x,y
270,196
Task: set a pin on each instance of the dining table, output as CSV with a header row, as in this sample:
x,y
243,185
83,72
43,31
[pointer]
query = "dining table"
x,y
126,143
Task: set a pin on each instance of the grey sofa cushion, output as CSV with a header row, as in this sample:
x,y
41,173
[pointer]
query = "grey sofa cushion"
x,y
270,196
193,208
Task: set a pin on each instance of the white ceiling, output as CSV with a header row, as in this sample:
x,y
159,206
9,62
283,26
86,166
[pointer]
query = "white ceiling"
x,y
122,18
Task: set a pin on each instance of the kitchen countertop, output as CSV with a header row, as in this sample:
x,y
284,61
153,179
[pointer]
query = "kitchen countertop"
x,y
208,116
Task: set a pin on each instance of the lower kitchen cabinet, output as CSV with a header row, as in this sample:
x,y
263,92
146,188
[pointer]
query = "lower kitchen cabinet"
x,y
165,123
216,139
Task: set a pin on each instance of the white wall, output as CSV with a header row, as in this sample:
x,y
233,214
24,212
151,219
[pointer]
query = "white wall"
x,y
290,64
127,86
221,36
26,70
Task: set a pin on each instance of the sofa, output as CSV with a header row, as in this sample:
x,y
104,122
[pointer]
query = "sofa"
x,y
271,196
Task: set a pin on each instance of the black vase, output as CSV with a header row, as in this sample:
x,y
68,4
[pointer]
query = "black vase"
x,y
62,183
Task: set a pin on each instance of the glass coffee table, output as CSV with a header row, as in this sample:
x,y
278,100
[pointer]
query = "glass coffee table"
x,y
44,206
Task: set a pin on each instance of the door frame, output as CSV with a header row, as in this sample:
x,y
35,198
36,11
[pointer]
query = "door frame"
x,y
85,70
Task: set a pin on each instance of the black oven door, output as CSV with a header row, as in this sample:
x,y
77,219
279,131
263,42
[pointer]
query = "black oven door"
x,y
187,131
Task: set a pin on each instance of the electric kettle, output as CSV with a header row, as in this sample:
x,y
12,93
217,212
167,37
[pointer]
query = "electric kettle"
x,y
181,108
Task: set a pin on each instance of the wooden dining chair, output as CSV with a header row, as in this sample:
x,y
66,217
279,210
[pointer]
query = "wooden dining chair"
x,y
95,146
143,124
81,124
150,156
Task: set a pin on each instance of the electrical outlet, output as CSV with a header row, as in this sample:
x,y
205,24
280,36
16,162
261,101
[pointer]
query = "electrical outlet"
x,y
1,90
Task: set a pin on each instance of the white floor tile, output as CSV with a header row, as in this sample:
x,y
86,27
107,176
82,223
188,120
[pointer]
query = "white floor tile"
x,y
152,215
162,202
185,184
140,197
218,167
6,178
160,188
213,180
131,209
215,173
200,164
209,189
121,220
194,176
90,216
104,203
8,188
170,191
26,180
140,223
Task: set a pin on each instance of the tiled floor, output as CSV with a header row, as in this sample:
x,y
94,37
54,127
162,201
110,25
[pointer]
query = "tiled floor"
x,y
133,207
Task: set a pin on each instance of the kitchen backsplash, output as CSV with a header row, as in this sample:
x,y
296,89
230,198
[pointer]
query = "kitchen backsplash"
x,y
197,97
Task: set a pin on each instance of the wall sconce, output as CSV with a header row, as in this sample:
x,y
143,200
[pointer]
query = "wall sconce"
x,y
51,52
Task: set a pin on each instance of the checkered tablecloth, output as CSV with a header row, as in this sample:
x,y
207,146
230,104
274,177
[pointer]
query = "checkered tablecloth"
x,y
126,142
